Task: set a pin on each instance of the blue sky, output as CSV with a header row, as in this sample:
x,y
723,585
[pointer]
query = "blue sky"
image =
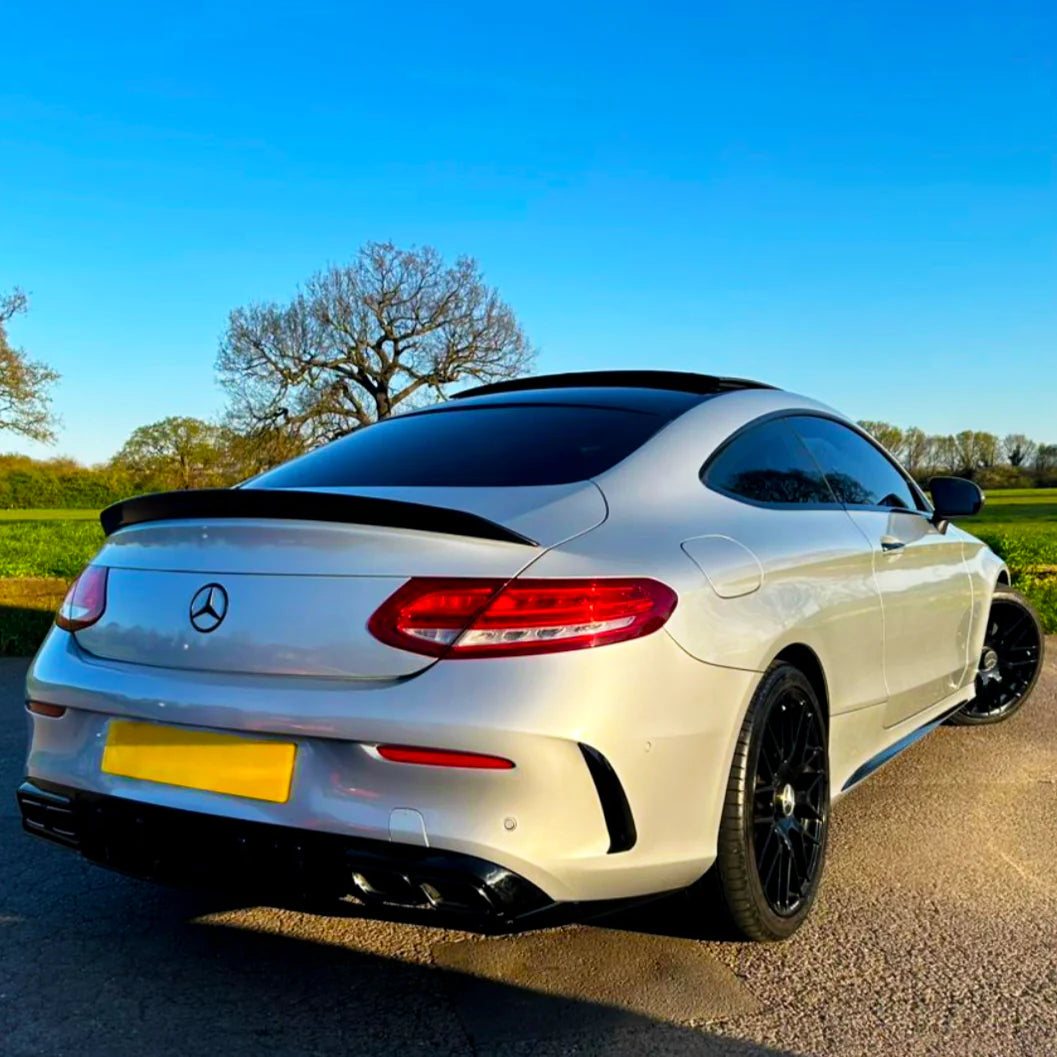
x,y
858,201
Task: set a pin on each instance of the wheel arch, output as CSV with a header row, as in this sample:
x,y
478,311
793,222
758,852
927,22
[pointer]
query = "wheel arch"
x,y
804,658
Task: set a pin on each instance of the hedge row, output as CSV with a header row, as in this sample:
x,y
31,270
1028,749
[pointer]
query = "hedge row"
x,y
73,489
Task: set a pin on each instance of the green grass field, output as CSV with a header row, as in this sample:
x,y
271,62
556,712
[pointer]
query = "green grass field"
x,y
50,548
1015,507
41,551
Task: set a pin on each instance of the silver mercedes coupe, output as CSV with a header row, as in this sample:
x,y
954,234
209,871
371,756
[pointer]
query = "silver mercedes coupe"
x,y
579,638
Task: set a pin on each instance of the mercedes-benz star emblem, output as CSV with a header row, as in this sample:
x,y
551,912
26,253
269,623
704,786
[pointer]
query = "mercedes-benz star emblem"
x,y
208,608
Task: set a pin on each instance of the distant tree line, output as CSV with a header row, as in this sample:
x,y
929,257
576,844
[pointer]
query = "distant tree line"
x,y
1012,461
190,453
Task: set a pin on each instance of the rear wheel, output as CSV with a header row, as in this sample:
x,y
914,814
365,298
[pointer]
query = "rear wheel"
x,y
772,837
1009,663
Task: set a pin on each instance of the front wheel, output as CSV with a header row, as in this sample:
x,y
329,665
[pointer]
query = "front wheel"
x,y
1010,662
772,836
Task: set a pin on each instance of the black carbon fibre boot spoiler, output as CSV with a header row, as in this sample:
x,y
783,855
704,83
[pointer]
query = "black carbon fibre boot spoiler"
x,y
286,504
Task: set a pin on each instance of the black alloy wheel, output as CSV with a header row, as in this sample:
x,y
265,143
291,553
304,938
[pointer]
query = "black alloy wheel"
x,y
1010,662
772,839
789,801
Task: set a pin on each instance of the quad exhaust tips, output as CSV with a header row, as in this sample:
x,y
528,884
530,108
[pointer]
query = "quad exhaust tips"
x,y
451,895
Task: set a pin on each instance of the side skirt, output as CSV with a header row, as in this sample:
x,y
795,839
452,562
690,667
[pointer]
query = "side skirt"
x,y
897,747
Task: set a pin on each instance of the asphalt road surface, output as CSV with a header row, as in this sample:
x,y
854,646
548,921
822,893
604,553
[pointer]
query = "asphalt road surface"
x,y
936,932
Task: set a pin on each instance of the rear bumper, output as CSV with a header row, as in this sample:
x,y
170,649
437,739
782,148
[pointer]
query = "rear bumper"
x,y
636,817
208,851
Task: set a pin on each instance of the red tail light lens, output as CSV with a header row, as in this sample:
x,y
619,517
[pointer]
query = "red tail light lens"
x,y
443,758
85,602
490,618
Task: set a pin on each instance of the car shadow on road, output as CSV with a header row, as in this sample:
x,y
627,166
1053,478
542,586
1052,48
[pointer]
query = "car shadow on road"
x,y
92,963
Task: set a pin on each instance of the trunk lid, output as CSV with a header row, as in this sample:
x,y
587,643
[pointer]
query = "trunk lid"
x,y
293,597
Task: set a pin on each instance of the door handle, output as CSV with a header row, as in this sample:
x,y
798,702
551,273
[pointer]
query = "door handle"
x,y
892,543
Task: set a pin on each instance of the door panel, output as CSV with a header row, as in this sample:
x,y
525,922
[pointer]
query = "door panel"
x,y
926,592
927,601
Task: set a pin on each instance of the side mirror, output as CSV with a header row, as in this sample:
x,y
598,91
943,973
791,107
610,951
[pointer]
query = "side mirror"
x,y
954,497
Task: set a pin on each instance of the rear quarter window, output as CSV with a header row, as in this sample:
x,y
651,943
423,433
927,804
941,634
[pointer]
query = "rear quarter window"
x,y
503,446
767,463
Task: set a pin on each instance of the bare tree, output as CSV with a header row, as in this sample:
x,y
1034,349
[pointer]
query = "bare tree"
x,y
25,403
916,449
393,328
1046,458
1018,449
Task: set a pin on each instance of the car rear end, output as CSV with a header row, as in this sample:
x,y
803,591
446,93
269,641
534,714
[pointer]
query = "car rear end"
x,y
355,676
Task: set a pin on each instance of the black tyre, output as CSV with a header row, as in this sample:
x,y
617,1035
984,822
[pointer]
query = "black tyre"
x,y
772,837
1009,665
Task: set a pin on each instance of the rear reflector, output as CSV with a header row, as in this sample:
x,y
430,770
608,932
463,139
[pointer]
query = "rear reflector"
x,y
41,709
493,618
85,601
443,758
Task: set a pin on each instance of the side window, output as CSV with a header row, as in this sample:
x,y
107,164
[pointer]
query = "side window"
x,y
859,473
768,464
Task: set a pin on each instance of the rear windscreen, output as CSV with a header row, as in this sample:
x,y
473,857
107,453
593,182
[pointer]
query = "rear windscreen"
x,y
475,447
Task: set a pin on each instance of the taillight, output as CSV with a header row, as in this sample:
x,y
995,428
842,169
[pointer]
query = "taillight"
x,y
85,601
493,618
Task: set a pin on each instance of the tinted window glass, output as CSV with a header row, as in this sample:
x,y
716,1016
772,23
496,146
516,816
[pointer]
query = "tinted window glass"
x,y
485,446
858,473
768,464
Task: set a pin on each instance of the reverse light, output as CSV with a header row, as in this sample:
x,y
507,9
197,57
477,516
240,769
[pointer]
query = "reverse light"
x,y
494,618
85,602
443,758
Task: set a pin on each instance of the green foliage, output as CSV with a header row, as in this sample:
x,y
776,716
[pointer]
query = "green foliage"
x,y
1042,593
1031,554
59,484
177,452
1023,549
992,477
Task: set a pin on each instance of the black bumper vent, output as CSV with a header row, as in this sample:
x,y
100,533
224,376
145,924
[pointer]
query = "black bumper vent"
x,y
615,806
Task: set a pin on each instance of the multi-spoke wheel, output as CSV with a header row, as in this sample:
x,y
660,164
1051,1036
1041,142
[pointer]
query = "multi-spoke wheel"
x,y
1010,661
772,839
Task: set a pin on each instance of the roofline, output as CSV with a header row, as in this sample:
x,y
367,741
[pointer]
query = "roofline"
x,y
679,381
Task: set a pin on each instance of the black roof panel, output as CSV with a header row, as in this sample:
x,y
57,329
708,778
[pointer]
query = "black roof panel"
x,y
678,381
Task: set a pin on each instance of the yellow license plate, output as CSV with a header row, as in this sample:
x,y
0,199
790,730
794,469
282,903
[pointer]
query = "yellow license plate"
x,y
219,763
